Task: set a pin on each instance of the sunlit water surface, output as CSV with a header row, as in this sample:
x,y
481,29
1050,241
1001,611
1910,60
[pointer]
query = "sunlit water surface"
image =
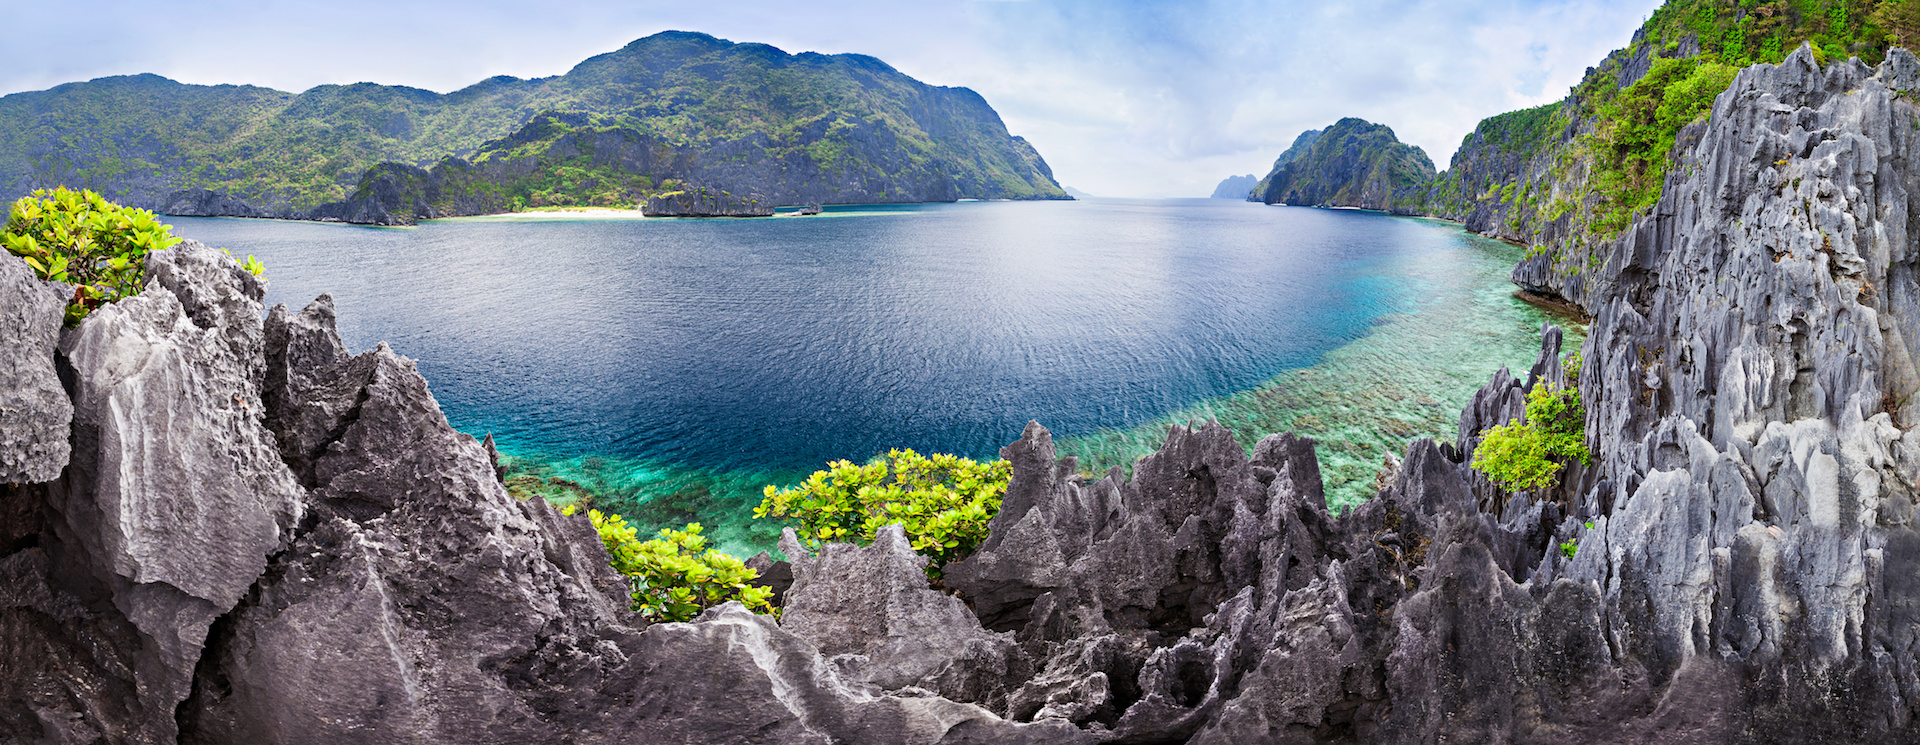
x,y
677,366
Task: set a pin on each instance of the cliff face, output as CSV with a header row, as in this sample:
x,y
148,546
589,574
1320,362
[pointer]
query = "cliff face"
x,y
1353,163
1235,187
759,120
563,158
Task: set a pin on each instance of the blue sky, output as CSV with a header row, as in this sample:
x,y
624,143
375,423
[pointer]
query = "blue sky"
x,y
1151,99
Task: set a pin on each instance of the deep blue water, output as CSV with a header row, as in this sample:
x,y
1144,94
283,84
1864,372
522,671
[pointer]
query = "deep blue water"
x,y
785,342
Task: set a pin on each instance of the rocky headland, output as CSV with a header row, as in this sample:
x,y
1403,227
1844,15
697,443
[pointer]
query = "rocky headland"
x,y
704,203
1354,163
1235,187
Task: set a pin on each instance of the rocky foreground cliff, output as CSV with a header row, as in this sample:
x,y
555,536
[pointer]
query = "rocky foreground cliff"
x,y
219,529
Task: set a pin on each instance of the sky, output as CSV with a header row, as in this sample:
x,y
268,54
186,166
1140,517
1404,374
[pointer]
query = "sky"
x,y
1122,98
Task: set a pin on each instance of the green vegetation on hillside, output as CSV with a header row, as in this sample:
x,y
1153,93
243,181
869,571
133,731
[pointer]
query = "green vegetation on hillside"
x,y
1746,31
144,136
1597,158
1636,130
1354,162
1525,132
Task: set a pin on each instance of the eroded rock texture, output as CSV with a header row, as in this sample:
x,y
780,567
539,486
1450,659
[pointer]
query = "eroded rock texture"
x,y
34,411
260,537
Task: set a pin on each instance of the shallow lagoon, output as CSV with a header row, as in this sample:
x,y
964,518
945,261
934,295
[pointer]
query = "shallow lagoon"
x,y
678,365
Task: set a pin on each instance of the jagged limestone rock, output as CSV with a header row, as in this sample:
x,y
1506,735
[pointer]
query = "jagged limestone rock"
x,y
208,203
426,605
871,611
168,511
34,409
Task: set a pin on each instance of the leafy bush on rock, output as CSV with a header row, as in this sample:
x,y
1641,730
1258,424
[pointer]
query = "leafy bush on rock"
x,y
80,238
943,501
675,576
1528,454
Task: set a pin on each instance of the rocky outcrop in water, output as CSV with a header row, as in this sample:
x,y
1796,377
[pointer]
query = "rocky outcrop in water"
x,y
1235,187
1354,163
704,203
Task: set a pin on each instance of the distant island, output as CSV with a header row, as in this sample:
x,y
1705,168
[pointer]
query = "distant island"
x,y
1235,187
668,113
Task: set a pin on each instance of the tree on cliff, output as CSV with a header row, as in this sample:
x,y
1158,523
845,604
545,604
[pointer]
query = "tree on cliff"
x,y
1901,20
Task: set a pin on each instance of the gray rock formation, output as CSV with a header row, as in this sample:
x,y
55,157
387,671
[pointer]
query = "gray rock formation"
x,y
1749,367
871,611
703,202
34,410
208,203
168,510
1235,187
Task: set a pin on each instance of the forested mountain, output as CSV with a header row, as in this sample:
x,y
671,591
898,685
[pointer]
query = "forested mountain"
x,y
747,118
1354,163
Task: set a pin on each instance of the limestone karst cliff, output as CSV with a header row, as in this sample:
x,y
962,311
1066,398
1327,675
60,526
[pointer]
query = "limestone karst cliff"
x,y
1235,187
252,535
1354,163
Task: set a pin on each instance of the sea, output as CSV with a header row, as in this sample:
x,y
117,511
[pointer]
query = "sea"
x,y
673,368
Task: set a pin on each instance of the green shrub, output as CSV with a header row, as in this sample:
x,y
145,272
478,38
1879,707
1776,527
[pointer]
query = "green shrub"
x,y
1636,131
943,501
84,240
1528,454
80,238
675,576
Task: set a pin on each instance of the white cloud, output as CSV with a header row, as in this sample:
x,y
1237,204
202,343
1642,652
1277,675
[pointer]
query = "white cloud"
x,y
1122,98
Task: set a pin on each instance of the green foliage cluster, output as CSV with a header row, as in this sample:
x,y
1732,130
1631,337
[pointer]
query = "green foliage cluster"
x,y
1524,132
80,238
1528,454
675,576
1636,130
943,501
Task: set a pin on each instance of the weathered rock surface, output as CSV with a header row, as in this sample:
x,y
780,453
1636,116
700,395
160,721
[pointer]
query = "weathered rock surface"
x,y
703,202
167,512
870,610
208,203
1736,565
34,410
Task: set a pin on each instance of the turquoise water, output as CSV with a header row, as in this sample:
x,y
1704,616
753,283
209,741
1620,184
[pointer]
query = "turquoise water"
x,y
674,367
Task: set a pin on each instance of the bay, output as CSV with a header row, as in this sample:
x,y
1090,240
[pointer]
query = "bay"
x,y
676,366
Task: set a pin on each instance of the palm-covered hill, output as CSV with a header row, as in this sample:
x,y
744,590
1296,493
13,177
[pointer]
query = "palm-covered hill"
x,y
850,126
